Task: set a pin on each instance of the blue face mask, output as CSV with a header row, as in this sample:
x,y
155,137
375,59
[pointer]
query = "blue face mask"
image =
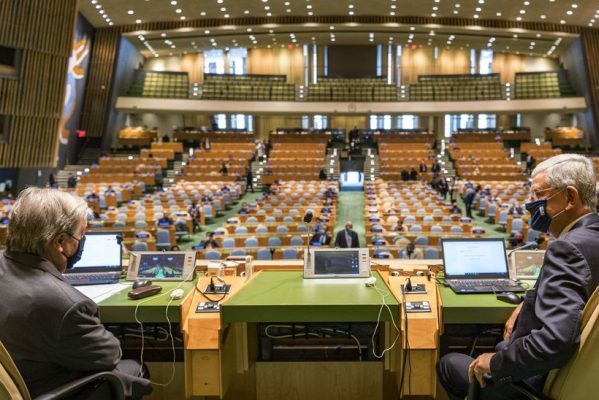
x,y
540,220
74,259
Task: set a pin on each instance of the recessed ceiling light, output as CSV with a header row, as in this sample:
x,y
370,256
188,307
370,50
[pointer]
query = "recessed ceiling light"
x,y
569,12
174,3
543,16
138,21
130,12
178,11
182,17
203,13
562,22
246,11
498,14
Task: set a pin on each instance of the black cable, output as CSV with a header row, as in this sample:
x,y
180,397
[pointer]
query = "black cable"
x,y
208,298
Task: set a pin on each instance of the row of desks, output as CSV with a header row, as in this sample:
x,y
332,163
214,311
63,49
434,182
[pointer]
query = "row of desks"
x,y
220,355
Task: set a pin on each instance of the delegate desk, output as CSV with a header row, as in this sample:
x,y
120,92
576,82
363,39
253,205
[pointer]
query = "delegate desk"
x,y
284,297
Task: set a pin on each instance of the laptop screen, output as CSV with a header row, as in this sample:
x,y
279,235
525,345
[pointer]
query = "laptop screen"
x,y
475,259
101,253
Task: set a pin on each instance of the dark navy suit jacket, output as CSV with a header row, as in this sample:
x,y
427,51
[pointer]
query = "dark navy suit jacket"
x,y
547,331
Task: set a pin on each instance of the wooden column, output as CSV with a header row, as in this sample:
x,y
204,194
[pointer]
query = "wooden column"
x,y
42,33
99,82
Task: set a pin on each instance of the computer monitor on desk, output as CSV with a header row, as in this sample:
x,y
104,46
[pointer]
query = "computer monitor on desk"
x,y
477,266
101,261
336,263
162,266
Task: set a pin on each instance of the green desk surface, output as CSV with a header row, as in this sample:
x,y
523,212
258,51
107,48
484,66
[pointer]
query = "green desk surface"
x,y
285,296
475,308
121,309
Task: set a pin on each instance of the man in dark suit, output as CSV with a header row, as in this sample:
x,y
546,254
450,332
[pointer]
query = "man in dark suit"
x,y
321,237
51,330
347,238
469,199
544,331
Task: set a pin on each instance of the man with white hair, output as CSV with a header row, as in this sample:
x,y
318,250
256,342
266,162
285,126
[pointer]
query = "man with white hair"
x,y
50,329
544,331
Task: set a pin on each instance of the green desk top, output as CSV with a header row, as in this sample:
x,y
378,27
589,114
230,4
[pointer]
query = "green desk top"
x,y
121,309
473,308
285,296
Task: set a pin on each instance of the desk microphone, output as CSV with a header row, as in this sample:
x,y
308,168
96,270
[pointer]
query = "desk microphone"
x,y
528,245
308,219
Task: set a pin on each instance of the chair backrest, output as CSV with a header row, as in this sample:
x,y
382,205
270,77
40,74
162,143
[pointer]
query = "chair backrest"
x,y
252,220
456,229
241,230
261,229
517,224
436,228
139,246
212,255
228,243
296,241
578,378
431,253
263,254
11,381
251,242
421,240
274,241
289,254
238,252
163,236
282,229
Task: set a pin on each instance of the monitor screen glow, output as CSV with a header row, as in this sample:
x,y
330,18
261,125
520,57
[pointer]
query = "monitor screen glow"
x,y
100,252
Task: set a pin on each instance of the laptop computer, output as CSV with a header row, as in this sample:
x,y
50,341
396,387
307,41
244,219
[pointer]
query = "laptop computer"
x,y
101,261
477,266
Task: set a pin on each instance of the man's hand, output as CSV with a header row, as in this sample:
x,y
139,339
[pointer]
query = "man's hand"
x,y
479,367
509,325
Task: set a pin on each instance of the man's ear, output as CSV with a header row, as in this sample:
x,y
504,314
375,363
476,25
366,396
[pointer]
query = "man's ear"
x,y
573,197
58,242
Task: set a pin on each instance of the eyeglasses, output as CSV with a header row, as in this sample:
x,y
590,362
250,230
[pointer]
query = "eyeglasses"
x,y
534,195
75,237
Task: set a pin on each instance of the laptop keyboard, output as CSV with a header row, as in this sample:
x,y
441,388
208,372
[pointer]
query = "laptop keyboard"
x,y
92,278
486,285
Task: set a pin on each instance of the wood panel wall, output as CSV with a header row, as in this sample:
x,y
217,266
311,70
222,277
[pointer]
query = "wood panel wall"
x,y
590,43
43,31
278,61
99,82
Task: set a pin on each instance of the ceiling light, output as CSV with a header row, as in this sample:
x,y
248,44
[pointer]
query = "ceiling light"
x,y
174,3
203,13
522,11
569,12
498,14
350,6
246,12
138,21
574,5
562,22
543,16
163,34
227,15
182,17
178,11
130,12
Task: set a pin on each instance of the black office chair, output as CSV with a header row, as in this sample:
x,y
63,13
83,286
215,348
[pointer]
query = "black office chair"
x,y
12,385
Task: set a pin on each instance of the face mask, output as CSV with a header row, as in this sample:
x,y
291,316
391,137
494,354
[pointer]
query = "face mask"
x,y
74,259
540,220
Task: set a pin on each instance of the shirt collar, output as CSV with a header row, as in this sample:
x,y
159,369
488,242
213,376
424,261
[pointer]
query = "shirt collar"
x,y
570,225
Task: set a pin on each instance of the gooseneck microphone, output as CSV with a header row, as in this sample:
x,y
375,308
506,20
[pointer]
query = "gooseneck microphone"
x,y
535,244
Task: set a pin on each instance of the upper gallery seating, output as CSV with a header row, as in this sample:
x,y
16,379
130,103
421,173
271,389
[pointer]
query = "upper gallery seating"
x,y
539,85
160,84
341,89
247,87
456,88
138,135
397,156
491,162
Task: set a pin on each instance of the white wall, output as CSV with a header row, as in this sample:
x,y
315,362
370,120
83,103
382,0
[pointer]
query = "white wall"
x,y
166,123
537,122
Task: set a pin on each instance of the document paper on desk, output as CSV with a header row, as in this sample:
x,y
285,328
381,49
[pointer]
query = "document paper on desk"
x,y
98,293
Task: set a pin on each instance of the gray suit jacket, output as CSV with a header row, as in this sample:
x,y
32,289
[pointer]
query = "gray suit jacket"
x,y
51,330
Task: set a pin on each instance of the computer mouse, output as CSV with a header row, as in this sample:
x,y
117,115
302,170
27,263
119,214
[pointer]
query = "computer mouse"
x,y
509,297
141,283
177,294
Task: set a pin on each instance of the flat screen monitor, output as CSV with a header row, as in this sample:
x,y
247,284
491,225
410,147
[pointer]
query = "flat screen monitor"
x,y
336,263
526,264
475,259
162,266
101,253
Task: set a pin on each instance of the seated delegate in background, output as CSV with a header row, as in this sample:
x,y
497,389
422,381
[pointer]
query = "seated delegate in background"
x,y
209,242
51,330
164,220
543,332
321,237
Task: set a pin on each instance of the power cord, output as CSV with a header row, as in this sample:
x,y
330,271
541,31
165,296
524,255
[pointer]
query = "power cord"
x,y
170,329
384,294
